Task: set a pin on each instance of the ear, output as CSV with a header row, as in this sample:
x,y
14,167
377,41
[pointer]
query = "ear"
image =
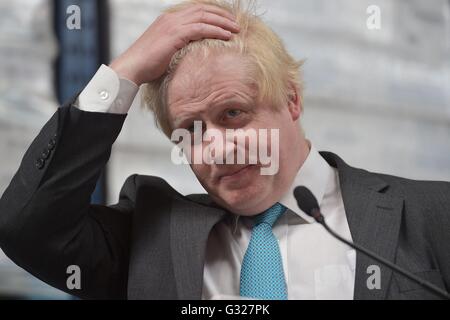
x,y
294,102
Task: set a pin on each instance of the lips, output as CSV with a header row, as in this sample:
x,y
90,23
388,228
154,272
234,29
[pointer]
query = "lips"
x,y
235,173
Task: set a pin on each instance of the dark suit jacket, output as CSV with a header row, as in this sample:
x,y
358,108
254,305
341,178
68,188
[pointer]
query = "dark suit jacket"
x,y
151,244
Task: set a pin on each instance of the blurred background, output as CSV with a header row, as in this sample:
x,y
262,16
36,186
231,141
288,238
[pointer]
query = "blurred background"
x,y
379,98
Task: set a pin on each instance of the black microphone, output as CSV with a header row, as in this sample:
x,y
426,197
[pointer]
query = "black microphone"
x,y
307,202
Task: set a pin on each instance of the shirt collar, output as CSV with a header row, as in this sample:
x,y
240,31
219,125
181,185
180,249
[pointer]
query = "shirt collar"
x,y
315,174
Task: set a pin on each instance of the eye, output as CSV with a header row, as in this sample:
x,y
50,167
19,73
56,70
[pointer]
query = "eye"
x,y
232,113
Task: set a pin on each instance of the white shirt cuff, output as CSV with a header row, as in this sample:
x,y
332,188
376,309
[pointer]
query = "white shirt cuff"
x,y
106,92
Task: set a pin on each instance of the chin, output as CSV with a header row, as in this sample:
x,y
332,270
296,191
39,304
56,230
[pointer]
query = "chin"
x,y
244,201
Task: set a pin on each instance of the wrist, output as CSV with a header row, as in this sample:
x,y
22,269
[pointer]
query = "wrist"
x,y
125,71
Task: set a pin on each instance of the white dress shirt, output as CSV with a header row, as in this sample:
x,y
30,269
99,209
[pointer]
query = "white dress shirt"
x,y
316,265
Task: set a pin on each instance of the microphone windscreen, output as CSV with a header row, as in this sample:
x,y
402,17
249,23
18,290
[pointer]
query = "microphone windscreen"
x,y
305,199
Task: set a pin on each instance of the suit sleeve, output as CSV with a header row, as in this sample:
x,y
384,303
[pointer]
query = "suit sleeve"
x,y
46,220
440,229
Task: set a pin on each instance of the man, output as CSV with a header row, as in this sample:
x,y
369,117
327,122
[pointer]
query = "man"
x,y
221,65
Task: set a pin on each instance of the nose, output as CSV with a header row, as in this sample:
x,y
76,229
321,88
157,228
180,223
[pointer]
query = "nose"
x,y
218,149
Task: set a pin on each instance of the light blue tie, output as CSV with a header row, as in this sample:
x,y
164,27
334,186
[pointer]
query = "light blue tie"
x,y
262,274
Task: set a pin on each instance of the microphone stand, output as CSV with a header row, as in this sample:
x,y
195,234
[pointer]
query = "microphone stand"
x,y
317,215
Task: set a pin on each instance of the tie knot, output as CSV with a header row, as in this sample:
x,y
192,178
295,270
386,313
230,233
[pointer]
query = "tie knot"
x,y
270,215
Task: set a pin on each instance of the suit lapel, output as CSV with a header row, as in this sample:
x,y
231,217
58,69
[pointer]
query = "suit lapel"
x,y
374,218
190,226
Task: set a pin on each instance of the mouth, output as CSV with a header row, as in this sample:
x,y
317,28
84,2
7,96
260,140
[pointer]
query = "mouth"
x,y
236,174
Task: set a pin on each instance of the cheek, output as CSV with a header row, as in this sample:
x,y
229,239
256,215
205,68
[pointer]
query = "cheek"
x,y
287,133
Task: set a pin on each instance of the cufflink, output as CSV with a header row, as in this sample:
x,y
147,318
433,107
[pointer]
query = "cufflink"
x,y
104,95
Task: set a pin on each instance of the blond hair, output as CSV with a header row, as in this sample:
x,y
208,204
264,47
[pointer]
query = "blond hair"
x,y
276,70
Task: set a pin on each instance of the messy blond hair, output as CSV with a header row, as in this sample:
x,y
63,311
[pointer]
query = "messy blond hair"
x,y
276,70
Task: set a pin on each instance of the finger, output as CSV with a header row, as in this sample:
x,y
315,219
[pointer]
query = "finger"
x,y
214,19
210,9
197,31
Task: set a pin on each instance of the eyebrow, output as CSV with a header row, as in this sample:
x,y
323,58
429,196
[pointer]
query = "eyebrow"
x,y
232,100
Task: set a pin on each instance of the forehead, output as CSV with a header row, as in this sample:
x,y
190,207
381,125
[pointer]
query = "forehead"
x,y
199,80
